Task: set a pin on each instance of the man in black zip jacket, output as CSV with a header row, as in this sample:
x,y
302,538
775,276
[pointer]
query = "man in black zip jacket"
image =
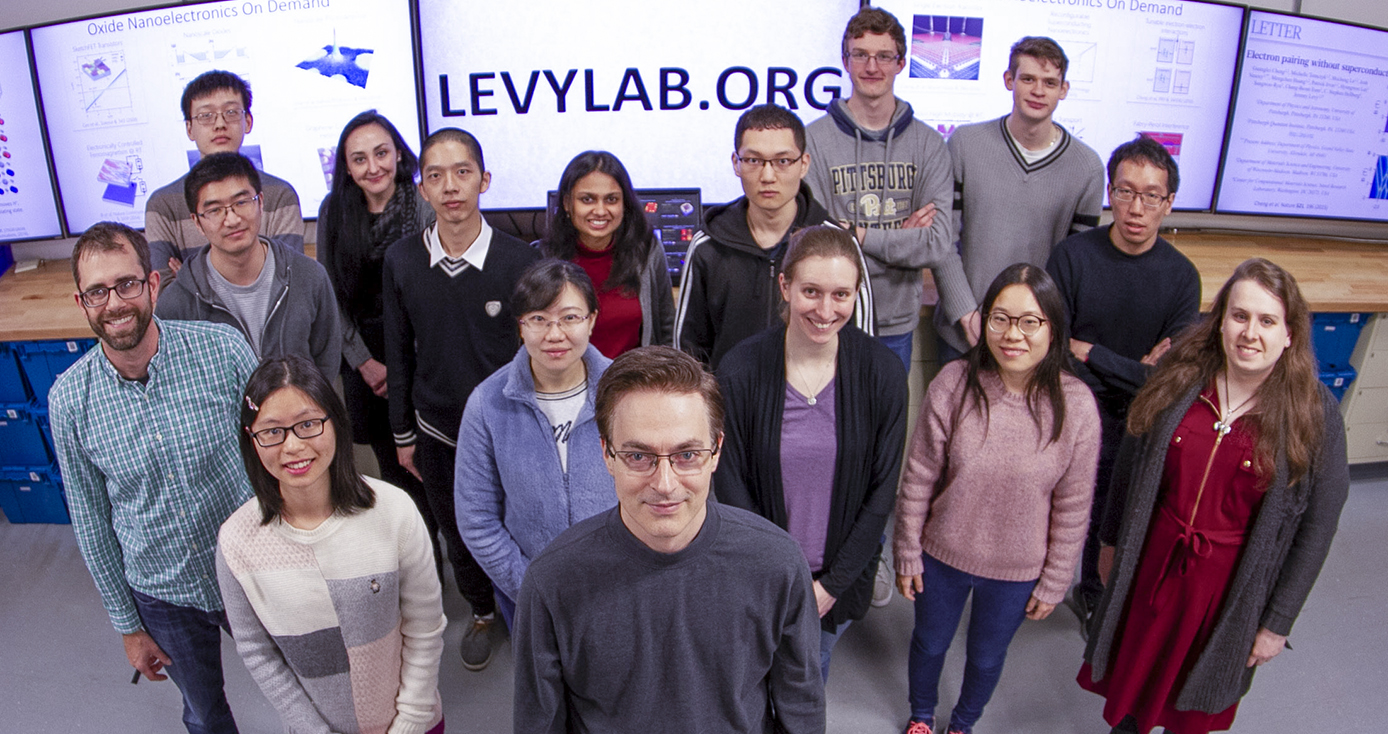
x,y
729,290
279,298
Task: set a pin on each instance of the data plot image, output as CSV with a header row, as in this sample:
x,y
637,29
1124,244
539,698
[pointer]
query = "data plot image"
x,y
1166,50
351,65
1185,52
1161,81
1180,81
101,84
945,47
192,58
1083,57
1378,188
1170,141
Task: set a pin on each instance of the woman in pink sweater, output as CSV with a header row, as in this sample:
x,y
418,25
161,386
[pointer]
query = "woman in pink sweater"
x,y
995,497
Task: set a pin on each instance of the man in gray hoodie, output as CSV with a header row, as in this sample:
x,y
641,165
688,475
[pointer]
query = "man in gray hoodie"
x,y
877,168
279,298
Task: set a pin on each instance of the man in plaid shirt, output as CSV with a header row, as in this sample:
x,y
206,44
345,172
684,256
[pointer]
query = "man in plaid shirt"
x,y
145,428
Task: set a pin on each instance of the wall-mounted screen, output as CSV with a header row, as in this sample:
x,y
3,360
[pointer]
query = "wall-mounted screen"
x,y
1163,68
111,88
1309,132
28,209
660,85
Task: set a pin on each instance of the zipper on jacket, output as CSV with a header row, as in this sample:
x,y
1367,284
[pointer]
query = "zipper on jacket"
x,y
1200,492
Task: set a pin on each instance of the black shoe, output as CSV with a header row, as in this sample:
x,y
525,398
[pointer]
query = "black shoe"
x,y
477,642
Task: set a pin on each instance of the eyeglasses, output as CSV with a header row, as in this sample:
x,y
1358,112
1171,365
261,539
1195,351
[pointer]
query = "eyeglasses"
x,y
208,119
538,324
882,58
1124,195
268,437
683,463
218,214
780,164
999,323
126,289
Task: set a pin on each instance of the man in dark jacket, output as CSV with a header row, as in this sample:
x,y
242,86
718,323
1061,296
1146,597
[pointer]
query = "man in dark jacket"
x,y
279,298
728,291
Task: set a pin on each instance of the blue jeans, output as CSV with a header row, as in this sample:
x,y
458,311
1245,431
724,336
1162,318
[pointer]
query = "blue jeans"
x,y
900,344
946,351
192,639
998,610
827,640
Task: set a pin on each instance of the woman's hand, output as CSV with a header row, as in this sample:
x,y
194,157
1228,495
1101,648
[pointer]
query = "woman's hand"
x,y
1037,609
823,599
374,373
1105,563
405,455
909,586
1266,646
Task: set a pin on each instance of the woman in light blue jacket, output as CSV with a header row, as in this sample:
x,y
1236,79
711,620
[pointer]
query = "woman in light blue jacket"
x,y
529,460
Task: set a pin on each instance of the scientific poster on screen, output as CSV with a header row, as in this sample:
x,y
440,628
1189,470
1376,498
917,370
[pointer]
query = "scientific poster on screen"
x,y
1309,135
1164,68
111,90
27,207
660,85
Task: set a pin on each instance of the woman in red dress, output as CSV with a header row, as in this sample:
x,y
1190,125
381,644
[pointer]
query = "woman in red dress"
x,y
1225,499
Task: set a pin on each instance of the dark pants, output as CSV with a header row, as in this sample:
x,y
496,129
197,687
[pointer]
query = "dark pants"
x,y
1111,436
946,351
371,425
900,344
192,639
434,460
998,610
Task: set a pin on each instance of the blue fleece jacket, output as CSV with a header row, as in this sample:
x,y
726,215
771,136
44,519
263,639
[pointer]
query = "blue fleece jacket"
x,y
512,496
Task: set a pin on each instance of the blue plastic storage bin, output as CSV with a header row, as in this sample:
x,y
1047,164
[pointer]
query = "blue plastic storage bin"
x,y
33,494
1333,336
12,388
1338,381
21,437
44,361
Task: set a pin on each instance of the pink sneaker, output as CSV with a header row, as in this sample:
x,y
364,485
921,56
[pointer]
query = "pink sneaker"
x,y
916,726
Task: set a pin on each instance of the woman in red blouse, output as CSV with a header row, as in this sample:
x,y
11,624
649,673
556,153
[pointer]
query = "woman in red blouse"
x,y
598,224
1225,499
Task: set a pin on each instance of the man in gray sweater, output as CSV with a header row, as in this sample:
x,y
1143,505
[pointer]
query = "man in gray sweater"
x,y
883,172
669,612
1022,183
279,298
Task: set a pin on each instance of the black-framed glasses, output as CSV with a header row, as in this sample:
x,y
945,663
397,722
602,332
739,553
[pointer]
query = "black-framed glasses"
x,y
780,164
683,463
208,119
218,214
999,323
883,58
268,437
1126,195
126,289
538,324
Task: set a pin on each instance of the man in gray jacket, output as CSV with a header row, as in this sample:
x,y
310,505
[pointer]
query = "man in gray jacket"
x,y
878,169
280,299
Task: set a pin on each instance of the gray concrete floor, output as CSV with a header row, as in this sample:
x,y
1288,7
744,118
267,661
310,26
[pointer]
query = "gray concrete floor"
x,y
64,670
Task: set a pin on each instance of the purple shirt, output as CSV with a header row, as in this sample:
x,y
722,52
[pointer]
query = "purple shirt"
x,y
809,449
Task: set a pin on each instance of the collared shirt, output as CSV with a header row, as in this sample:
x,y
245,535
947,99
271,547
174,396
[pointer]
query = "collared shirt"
x,y
475,255
152,469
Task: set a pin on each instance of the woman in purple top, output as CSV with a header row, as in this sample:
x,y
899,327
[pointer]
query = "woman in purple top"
x,y
816,423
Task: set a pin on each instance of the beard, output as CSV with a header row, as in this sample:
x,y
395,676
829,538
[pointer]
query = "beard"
x,y
129,338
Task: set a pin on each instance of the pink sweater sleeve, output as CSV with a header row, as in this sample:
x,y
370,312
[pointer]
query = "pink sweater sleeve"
x,y
925,461
1073,494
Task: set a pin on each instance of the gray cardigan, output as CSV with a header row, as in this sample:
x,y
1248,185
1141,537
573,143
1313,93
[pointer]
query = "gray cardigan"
x,y
1282,556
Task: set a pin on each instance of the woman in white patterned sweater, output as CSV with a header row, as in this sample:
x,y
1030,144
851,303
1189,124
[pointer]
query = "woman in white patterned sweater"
x,y
328,576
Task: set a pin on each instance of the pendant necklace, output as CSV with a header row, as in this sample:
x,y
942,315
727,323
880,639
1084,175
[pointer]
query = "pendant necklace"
x,y
810,399
1222,426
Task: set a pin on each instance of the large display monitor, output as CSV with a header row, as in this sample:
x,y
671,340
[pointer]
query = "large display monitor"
x,y
1163,68
1309,132
28,208
660,85
111,89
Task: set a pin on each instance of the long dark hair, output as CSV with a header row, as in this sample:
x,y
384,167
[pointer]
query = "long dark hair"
x,y
1289,412
349,492
1045,380
631,243
349,237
